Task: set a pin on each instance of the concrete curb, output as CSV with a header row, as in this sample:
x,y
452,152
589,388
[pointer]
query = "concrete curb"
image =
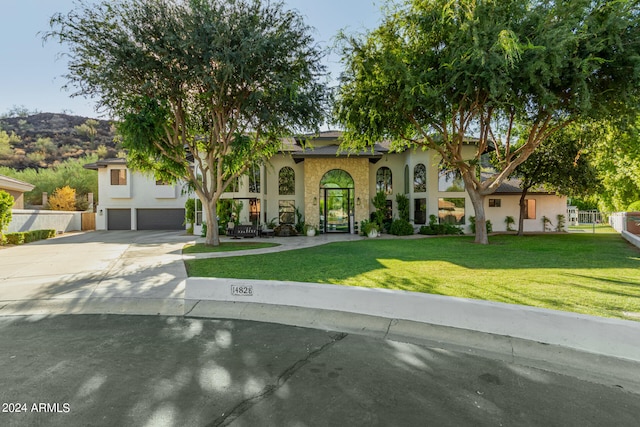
x,y
600,336
631,238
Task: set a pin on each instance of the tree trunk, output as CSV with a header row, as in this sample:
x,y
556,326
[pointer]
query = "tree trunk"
x,y
482,237
523,208
212,237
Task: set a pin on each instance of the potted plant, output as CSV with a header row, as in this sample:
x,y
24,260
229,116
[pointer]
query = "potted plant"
x,y
370,228
310,230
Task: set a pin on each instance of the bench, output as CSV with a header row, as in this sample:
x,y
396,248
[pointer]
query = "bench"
x,y
244,231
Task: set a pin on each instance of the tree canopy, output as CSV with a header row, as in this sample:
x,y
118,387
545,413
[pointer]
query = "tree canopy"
x,y
214,82
449,75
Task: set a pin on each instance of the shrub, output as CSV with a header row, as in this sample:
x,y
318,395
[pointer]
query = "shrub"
x,y
189,214
438,229
15,238
509,221
403,207
6,204
63,199
561,222
546,224
29,236
401,227
366,226
488,225
380,203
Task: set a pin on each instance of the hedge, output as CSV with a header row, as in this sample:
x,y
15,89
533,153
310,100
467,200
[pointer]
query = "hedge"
x,y
28,236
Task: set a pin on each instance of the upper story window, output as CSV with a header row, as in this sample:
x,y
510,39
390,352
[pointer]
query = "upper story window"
x,y
162,182
234,186
118,177
406,179
449,179
254,179
419,178
384,180
287,181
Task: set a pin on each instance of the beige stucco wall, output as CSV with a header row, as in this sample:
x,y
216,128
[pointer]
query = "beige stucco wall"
x,y
314,170
18,199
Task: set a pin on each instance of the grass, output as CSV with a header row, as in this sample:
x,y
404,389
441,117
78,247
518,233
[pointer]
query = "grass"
x,y
226,247
597,274
592,228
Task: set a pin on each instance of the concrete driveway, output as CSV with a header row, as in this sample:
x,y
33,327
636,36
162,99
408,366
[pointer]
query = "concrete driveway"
x,y
93,266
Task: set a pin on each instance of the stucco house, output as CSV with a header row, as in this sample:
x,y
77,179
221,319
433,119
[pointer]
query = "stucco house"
x,y
16,188
332,188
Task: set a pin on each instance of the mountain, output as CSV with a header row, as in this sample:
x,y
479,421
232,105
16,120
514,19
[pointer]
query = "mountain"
x,y
46,139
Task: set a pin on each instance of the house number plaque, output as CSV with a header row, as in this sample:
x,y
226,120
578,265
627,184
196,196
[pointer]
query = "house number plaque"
x,y
242,290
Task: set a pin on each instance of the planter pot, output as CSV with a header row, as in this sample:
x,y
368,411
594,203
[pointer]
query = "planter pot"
x,y
311,232
372,234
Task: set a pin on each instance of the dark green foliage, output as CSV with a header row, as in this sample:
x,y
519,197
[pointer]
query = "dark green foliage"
x,y
6,204
403,207
438,229
381,212
401,227
367,226
15,238
29,236
472,225
511,73
509,221
220,82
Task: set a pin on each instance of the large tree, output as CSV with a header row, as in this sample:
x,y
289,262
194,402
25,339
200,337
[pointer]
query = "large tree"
x,y
560,164
615,153
211,82
450,75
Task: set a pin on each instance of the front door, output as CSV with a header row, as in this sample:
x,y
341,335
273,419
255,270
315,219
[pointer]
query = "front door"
x,y
336,209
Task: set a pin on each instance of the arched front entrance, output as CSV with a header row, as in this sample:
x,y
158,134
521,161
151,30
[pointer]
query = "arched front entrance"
x,y
336,202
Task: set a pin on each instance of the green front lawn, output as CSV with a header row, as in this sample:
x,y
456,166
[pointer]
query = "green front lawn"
x,y
596,274
226,247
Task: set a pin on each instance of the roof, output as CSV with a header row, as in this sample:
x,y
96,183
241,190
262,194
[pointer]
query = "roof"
x,y
328,145
104,163
7,183
512,186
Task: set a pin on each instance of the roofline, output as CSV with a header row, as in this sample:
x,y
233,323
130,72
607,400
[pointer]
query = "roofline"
x,y
104,163
15,184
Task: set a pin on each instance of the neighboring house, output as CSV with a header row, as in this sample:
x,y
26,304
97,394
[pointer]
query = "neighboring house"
x,y
332,188
134,201
16,188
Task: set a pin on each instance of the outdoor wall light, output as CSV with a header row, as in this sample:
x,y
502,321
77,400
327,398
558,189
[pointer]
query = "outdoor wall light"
x,y
315,201
358,202
100,212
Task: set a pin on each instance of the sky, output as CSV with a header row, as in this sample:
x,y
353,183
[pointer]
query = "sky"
x,y
31,72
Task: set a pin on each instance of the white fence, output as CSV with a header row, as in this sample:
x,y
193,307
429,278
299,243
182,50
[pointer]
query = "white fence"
x,y
31,219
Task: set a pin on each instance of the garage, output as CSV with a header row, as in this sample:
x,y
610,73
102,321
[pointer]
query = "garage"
x,y
118,219
160,219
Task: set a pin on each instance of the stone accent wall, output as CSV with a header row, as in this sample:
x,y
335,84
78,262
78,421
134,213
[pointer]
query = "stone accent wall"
x,y
314,170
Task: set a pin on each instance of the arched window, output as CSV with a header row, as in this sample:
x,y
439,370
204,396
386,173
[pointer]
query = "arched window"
x,y
419,178
286,181
384,181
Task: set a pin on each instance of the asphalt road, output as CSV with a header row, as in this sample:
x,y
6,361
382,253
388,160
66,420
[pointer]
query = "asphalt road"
x,y
111,370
